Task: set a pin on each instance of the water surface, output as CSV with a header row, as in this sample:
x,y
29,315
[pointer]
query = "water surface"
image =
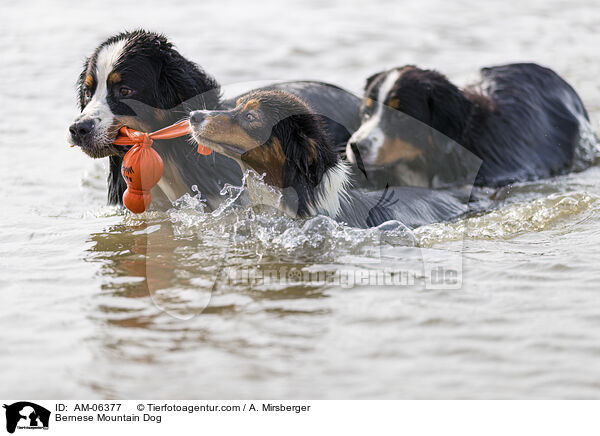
x,y
97,303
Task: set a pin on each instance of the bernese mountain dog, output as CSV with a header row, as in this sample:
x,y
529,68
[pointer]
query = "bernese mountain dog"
x,y
277,136
138,79
522,120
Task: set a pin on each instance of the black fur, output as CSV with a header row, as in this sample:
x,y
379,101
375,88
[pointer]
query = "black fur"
x,y
116,183
298,130
167,87
150,62
283,119
522,120
301,173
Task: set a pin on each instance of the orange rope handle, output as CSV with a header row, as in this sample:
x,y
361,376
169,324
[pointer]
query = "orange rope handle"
x,y
129,136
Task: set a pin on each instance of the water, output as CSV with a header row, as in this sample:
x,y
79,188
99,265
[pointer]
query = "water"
x,y
100,304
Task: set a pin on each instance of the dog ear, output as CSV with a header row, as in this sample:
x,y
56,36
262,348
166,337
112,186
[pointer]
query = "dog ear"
x,y
306,148
182,81
448,108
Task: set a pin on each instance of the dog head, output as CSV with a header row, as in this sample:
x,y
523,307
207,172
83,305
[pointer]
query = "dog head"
x,y
136,79
396,110
276,134
273,132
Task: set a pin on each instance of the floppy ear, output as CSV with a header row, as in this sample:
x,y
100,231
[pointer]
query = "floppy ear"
x,y
306,148
416,100
181,80
448,107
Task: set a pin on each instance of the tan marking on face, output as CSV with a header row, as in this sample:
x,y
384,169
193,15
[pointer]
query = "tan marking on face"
x,y
394,103
89,81
222,130
267,159
251,104
114,78
369,102
395,149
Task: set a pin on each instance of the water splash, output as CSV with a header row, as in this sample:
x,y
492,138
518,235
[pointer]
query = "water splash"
x,y
511,220
266,231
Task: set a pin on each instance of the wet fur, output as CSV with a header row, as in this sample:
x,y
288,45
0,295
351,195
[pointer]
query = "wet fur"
x,y
304,144
297,157
170,86
522,120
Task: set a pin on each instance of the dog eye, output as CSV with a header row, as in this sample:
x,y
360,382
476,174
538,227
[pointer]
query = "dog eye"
x,y
124,91
87,93
250,116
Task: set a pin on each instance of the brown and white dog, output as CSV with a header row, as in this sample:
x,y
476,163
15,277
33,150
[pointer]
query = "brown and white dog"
x,y
277,135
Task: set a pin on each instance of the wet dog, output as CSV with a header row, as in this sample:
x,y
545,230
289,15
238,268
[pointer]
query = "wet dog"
x,y
138,79
277,136
522,120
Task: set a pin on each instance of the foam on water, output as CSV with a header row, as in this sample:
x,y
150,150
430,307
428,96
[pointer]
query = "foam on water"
x,y
238,224
266,230
511,220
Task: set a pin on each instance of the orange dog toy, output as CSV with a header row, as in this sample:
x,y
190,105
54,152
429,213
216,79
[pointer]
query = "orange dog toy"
x,y
142,166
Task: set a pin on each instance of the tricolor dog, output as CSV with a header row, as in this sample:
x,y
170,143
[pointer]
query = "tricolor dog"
x,y
522,120
137,79
277,135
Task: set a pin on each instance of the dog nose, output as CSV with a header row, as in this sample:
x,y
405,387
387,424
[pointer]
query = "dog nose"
x,y
82,129
196,117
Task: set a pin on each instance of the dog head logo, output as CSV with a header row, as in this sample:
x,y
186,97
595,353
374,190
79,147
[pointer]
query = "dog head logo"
x,y
26,415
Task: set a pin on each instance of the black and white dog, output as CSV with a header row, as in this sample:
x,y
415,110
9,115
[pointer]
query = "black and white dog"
x,y
137,79
276,134
522,120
